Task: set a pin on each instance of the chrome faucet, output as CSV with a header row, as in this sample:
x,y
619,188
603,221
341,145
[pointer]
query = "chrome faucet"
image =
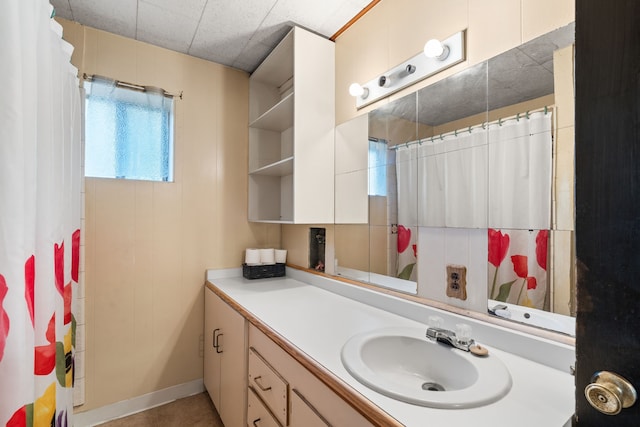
x,y
448,337
497,307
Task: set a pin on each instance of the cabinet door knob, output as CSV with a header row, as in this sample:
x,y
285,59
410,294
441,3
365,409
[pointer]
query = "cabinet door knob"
x,y
609,393
255,422
258,383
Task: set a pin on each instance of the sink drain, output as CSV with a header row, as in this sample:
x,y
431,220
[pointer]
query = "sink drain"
x,y
432,387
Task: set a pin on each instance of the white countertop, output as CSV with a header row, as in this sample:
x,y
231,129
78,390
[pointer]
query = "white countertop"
x,y
319,322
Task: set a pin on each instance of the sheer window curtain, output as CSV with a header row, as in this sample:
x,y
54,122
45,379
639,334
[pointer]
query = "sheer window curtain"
x,y
40,210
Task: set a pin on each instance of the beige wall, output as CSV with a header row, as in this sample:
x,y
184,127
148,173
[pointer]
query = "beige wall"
x,y
395,30
148,244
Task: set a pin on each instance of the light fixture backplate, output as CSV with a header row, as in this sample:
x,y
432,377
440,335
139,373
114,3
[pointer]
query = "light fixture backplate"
x,y
425,67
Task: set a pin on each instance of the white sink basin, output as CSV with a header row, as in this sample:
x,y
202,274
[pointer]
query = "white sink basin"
x,y
403,364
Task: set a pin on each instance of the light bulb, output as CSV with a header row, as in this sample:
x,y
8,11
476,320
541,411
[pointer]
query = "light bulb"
x,y
435,49
358,91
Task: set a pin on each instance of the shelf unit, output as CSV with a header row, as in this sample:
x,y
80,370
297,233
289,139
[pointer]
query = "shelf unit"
x,y
291,123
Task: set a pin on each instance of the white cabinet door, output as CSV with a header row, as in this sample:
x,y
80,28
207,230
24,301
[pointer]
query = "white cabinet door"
x,y
225,369
211,355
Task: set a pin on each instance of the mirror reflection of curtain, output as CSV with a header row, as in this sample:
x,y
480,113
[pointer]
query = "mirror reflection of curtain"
x,y
518,264
452,177
407,231
520,173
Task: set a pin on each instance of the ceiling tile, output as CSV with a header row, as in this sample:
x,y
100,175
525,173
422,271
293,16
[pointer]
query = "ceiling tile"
x,y
310,15
271,35
191,9
62,9
239,33
219,49
115,16
341,16
165,28
226,27
252,55
222,16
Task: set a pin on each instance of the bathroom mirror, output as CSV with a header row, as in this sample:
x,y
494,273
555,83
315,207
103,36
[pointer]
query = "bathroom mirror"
x,y
437,159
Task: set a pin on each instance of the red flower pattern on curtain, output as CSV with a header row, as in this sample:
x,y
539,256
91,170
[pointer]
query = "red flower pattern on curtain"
x,y
403,242
542,240
404,237
518,245
29,285
4,318
498,248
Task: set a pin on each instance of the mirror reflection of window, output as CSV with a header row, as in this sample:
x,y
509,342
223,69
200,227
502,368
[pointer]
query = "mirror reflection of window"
x,y
377,173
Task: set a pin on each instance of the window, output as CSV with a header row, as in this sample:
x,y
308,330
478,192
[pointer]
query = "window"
x,y
128,131
377,167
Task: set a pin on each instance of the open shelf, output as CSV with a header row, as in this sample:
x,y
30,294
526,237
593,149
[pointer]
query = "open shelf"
x,y
280,168
291,121
277,118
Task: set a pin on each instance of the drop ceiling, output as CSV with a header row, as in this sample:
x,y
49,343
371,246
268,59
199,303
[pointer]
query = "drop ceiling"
x,y
237,33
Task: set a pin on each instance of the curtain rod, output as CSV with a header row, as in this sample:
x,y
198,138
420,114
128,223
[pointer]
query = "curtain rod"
x,y
132,86
483,125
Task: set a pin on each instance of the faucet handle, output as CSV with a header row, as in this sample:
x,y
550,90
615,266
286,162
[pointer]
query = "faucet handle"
x,y
463,333
436,322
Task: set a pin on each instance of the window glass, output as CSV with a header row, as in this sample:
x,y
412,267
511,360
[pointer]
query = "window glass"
x,y
128,132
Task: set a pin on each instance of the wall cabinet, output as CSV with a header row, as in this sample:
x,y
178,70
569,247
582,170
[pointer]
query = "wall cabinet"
x,y
225,359
291,132
352,171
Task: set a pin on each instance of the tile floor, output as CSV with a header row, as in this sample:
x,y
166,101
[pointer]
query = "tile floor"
x,y
193,411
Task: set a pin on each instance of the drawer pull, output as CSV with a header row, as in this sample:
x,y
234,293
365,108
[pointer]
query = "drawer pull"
x,y
255,422
215,338
263,388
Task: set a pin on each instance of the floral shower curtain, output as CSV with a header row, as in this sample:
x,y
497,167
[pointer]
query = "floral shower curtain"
x,y
40,188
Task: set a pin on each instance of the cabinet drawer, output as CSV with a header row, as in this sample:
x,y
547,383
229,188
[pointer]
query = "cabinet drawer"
x,y
257,414
269,385
303,414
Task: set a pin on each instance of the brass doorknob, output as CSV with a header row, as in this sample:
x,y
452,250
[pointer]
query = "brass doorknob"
x,y
609,393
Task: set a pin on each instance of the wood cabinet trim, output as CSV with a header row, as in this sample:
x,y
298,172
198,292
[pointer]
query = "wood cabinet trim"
x,y
361,404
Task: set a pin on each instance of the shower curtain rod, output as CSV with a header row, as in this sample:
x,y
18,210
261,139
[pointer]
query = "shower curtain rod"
x,y
483,125
132,86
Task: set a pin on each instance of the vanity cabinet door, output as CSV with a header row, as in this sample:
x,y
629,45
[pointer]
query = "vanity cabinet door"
x,y
303,414
257,413
225,359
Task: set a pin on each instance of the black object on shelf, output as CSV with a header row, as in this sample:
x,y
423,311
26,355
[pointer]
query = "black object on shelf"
x,y
262,271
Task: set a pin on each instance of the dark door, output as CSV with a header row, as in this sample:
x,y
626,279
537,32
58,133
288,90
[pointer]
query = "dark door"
x,y
607,200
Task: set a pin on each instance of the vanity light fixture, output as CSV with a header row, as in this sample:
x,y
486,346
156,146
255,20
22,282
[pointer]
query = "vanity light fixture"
x,y
439,57
384,81
434,48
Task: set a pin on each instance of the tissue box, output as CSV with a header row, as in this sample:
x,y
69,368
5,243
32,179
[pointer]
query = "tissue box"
x,y
262,271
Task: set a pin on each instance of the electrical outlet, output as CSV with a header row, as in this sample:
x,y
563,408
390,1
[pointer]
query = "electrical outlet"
x,y
457,281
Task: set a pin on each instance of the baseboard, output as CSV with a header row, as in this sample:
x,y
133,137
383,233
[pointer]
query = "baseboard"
x,y
137,404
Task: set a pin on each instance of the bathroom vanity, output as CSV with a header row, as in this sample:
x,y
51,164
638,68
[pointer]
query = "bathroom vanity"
x,y
285,348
